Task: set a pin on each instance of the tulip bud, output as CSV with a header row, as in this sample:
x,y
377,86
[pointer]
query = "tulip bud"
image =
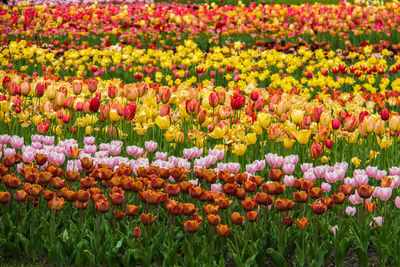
x,y
92,84
137,232
60,99
254,95
112,91
213,100
384,114
335,124
297,116
165,95
164,110
328,143
129,111
201,117
39,90
77,87
25,88
325,118
316,150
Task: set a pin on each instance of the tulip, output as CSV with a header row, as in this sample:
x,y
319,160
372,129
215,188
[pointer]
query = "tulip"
x,y
335,124
252,216
350,211
297,116
316,150
223,230
365,191
238,100
4,197
384,114
318,207
147,219
137,232
191,226
302,136
55,204
213,220
302,223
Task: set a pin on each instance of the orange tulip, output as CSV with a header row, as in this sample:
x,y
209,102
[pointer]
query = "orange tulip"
x,y
147,219
252,216
213,219
191,226
56,204
300,196
263,199
370,206
223,230
302,223
249,204
318,207
339,198
4,197
131,210
236,218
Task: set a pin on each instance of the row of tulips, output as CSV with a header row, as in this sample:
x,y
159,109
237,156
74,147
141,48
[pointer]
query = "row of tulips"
x,y
141,211
209,22
369,68
358,128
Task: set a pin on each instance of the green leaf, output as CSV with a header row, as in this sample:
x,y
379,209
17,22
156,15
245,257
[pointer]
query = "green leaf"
x,y
276,257
92,258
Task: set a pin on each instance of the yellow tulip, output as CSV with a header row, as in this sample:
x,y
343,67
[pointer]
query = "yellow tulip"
x,y
385,142
37,119
251,138
302,136
179,137
163,122
288,143
218,132
88,130
263,119
239,149
114,116
356,161
297,116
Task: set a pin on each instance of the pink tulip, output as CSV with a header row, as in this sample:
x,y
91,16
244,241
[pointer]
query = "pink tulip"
x,y
9,152
371,171
288,180
361,179
306,166
114,150
378,220
351,211
4,139
89,140
383,193
161,155
150,146
17,142
397,202
288,168
394,171
350,181
216,187
326,187
28,156
309,175
334,229
320,171
381,174
90,149
48,140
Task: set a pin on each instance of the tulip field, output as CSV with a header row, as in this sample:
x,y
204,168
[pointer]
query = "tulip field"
x,y
200,134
